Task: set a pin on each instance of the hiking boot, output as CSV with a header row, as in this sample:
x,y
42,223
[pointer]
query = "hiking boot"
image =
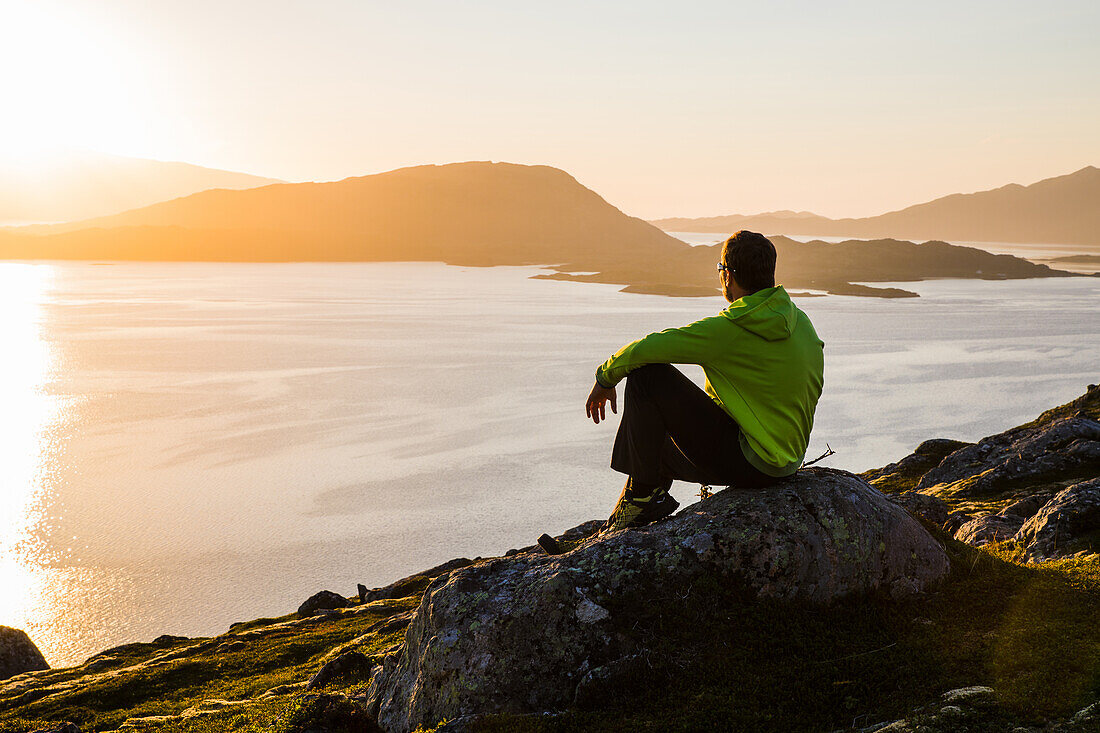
x,y
634,511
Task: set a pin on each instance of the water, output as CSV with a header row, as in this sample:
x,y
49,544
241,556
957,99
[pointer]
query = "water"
x,y
189,445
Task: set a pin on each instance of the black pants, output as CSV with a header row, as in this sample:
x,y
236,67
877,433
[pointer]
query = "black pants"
x,y
671,429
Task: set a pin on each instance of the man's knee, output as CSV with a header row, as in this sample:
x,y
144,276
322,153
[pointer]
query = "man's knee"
x,y
649,374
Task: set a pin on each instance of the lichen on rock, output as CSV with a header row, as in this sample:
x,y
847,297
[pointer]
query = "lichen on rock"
x,y
519,634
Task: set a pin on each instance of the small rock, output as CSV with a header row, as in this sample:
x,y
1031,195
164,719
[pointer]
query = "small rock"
x,y
966,694
347,663
898,726
954,521
699,543
232,646
18,654
610,681
150,721
951,710
1026,507
590,613
323,712
1092,712
65,727
168,639
280,690
990,528
325,600
930,508
362,592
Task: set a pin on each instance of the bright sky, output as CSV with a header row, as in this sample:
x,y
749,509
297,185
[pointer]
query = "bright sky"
x,y
687,108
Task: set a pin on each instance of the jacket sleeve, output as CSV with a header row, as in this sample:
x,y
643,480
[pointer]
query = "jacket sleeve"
x,y
690,344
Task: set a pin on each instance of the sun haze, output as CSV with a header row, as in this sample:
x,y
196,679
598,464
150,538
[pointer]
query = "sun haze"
x,y
709,108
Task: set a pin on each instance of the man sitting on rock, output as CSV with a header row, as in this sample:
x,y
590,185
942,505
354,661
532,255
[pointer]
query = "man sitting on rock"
x,y
763,363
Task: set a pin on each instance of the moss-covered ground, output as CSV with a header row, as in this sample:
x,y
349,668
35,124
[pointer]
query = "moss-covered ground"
x,y
147,680
715,661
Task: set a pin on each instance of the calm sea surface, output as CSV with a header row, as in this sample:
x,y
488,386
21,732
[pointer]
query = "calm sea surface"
x,y
183,446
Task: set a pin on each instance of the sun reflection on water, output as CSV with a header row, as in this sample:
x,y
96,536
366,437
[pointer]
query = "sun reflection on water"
x,y
26,414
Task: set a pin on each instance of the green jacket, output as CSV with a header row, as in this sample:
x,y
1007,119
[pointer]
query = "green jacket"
x,y
764,366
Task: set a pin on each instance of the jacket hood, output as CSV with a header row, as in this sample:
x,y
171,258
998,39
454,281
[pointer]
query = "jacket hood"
x,y
767,313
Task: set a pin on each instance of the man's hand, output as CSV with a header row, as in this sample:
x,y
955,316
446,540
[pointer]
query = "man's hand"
x,y
596,399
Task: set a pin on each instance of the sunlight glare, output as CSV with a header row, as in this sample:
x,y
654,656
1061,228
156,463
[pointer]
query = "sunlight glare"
x,y
28,413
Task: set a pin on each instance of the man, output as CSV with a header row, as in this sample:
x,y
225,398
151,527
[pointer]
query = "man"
x,y
764,369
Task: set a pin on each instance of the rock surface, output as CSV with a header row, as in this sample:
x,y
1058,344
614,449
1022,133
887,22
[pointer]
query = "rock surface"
x,y
927,456
18,654
977,709
930,508
322,601
1067,523
413,584
1064,450
990,528
520,634
1032,484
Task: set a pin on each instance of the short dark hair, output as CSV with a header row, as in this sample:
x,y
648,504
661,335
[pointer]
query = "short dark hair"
x,y
751,257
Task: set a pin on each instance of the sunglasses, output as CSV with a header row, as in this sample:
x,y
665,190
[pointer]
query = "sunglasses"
x,y
722,268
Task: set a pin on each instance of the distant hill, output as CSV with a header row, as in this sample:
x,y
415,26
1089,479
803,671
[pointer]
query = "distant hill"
x,y
79,185
476,213
1061,210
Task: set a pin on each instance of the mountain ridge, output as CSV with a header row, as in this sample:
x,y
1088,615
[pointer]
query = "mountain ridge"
x,y
80,185
1060,209
476,213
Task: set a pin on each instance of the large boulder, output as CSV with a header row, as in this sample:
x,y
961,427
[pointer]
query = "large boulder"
x,y
18,654
518,634
1067,523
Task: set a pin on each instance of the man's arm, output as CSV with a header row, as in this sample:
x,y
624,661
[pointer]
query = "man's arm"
x,y
690,344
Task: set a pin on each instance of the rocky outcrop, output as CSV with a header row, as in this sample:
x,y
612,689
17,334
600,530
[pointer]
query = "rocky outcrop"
x,y
1057,449
1032,484
1063,451
909,470
532,632
1068,523
18,654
